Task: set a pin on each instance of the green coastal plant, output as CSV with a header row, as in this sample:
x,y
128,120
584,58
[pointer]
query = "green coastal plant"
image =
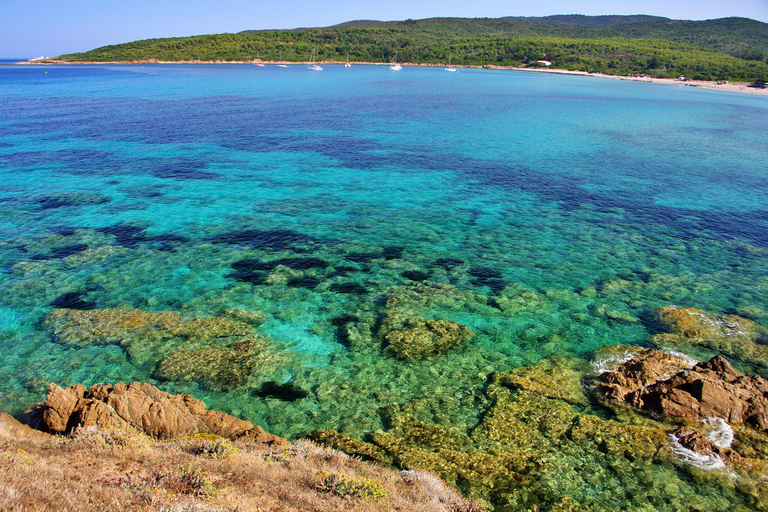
x,y
343,485
280,455
730,48
195,481
96,438
218,447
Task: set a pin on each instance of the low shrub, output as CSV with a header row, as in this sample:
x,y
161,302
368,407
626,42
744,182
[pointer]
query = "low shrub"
x,y
220,448
194,481
343,485
95,438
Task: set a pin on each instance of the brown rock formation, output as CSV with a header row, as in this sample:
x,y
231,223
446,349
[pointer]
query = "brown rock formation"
x,y
695,441
12,428
643,370
144,407
711,389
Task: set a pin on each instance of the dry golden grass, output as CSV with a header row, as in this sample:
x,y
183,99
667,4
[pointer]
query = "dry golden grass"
x,y
126,471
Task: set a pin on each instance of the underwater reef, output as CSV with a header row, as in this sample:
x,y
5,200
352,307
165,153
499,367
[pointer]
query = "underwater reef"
x,y
556,431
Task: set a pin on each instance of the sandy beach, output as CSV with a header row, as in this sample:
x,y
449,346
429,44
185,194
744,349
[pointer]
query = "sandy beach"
x,y
740,87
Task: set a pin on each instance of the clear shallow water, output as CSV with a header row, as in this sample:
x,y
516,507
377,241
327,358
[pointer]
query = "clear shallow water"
x,y
560,210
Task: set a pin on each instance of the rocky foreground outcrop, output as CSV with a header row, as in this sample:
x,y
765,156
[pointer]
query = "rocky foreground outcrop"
x,y
710,389
143,407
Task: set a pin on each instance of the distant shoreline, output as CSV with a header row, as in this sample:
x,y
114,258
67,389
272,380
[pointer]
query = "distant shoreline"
x,y
740,87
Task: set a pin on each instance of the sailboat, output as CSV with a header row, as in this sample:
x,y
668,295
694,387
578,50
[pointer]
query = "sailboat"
x,y
259,63
395,66
449,68
280,62
312,66
347,65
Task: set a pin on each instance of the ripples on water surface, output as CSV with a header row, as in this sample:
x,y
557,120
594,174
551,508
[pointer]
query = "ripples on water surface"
x,y
549,214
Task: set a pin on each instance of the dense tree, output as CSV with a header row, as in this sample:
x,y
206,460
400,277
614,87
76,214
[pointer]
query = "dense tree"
x,y
714,49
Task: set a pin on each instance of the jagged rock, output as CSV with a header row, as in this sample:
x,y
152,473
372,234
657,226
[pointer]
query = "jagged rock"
x,y
695,441
730,335
646,367
416,339
710,389
143,407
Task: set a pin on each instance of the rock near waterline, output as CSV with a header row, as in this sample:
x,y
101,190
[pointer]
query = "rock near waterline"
x,y
711,389
143,407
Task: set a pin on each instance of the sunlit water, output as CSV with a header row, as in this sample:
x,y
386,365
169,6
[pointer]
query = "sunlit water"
x,y
567,207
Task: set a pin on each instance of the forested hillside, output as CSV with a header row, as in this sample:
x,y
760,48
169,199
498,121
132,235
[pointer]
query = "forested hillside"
x,y
729,48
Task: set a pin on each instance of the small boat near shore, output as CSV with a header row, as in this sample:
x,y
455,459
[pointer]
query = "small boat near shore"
x,y
312,66
395,66
449,68
280,63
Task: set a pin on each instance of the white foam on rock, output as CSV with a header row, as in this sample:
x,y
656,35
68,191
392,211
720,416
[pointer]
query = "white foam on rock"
x,y
707,461
721,434
608,364
600,366
689,361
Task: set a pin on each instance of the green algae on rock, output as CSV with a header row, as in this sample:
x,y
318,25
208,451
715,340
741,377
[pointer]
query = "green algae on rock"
x,y
222,367
730,335
351,446
143,334
416,339
404,327
540,443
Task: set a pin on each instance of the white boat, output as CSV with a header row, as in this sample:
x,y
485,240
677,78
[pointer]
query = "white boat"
x,y
347,65
395,66
280,62
449,68
312,66
259,63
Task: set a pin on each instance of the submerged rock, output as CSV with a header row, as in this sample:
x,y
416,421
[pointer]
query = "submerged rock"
x,y
532,447
406,323
416,339
223,367
143,334
730,335
410,336
143,407
549,378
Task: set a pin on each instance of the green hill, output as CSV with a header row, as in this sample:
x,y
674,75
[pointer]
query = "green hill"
x,y
728,48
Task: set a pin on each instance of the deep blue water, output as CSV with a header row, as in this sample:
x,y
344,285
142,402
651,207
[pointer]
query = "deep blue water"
x,y
560,210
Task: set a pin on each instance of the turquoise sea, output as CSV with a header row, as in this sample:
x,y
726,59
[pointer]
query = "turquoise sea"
x,y
549,214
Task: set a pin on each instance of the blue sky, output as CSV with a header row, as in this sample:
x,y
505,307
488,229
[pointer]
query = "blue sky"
x,y
49,28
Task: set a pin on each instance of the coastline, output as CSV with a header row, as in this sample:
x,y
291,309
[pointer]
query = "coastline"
x,y
738,87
